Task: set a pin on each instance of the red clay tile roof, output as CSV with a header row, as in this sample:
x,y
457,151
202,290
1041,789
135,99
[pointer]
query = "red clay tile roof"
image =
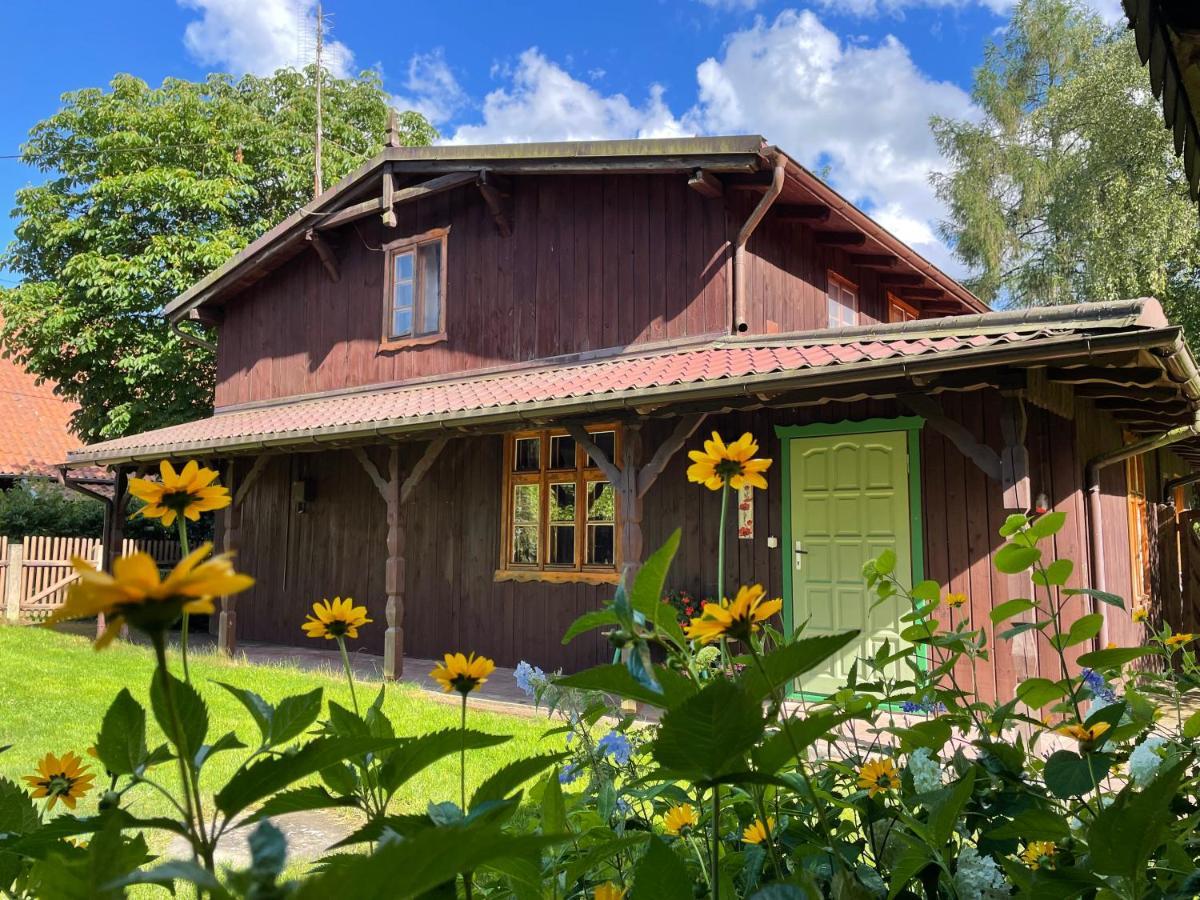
x,y
726,368
35,431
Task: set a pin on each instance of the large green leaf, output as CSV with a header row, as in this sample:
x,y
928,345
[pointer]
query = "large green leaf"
x,y
948,807
1083,629
615,679
1010,608
275,773
795,735
1048,524
1033,824
297,800
510,777
1037,692
189,712
1068,774
646,597
260,710
293,715
661,875
599,618
18,815
1102,596
706,734
1124,835
121,745
1114,657
554,806
791,661
1012,559
414,755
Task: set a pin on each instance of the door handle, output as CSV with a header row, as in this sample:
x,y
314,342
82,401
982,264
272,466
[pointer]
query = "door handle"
x,y
800,553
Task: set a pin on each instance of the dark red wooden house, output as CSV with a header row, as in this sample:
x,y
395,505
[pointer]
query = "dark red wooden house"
x,y
459,384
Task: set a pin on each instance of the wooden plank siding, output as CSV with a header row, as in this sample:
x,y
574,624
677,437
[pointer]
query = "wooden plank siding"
x,y
336,546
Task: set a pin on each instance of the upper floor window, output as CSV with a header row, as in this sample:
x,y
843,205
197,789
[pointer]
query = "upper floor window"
x,y
560,519
900,311
415,293
843,301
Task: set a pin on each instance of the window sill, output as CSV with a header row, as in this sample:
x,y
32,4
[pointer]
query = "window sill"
x,y
553,577
404,343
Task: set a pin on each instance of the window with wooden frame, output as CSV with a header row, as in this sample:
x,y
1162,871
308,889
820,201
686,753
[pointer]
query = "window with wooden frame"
x,y
1139,527
900,310
414,309
842,297
560,516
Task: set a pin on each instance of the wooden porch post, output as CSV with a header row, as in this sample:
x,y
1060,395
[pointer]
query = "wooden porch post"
x,y
231,540
113,535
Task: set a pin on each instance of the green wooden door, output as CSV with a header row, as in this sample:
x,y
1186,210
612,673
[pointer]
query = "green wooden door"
x,y
849,502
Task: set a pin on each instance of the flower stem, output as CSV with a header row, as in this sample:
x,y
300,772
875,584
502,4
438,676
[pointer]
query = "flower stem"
x,y
715,880
349,673
183,628
721,544
462,760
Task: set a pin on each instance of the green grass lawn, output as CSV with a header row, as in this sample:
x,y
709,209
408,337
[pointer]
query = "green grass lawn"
x,y
54,690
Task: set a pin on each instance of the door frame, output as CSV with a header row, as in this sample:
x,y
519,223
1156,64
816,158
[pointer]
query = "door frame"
x,y
912,425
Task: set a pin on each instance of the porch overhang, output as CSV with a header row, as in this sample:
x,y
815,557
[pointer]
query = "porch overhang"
x,y
1074,344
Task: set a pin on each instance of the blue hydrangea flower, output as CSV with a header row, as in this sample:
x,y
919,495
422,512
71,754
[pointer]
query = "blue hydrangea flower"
x,y
529,678
569,774
617,746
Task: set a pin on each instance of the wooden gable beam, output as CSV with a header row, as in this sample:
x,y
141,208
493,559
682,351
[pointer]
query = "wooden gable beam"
x,y
985,458
387,198
919,293
325,252
415,192
840,238
905,279
706,184
497,195
800,212
874,260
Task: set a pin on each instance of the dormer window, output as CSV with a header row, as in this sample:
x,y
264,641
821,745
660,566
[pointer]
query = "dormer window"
x,y
414,299
842,298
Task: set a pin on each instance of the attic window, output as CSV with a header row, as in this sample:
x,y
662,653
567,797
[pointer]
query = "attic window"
x,y
842,298
414,299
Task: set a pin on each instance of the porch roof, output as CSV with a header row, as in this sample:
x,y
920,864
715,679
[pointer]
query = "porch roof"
x,y
723,369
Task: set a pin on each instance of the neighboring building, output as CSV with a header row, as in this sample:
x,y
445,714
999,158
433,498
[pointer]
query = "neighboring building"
x,y
410,367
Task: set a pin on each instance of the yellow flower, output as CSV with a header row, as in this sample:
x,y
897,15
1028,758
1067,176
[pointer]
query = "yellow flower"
x,y
680,817
720,464
609,891
1176,641
341,618
757,832
60,778
954,601
877,776
135,591
463,673
1140,614
187,493
737,619
1085,734
1039,853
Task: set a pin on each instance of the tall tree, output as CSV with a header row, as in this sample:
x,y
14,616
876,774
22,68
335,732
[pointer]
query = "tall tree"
x,y
146,191
1065,188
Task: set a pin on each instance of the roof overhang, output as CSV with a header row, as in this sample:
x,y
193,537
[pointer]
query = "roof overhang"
x,y
724,372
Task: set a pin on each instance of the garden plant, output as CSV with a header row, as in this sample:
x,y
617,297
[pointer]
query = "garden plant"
x,y
732,782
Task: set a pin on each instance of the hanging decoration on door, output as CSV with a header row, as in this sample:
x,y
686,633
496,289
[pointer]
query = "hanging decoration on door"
x,y
746,513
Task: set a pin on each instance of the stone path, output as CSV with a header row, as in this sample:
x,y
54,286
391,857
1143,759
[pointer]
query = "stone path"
x,y
309,835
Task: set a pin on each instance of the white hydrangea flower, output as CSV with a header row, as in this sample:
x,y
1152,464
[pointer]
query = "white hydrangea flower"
x,y
926,771
1145,760
979,877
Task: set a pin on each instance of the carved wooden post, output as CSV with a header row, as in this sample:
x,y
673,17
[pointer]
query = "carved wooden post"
x,y
231,522
630,504
393,641
113,538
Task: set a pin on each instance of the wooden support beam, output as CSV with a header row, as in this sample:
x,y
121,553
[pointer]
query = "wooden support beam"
x,y
432,450
985,458
1128,394
387,198
377,478
919,293
328,259
113,531
800,212
684,429
1014,458
840,238
901,278
706,184
497,194
1132,376
415,192
874,260
239,497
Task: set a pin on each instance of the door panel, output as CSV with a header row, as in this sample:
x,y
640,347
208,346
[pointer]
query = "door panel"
x,y
850,502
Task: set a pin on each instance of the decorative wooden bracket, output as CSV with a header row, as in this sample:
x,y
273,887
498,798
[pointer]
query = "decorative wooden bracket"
x,y
706,184
328,259
497,194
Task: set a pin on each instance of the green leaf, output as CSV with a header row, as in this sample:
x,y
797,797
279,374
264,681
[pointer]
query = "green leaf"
x,y
189,709
1191,726
929,591
795,733
1123,836
1084,629
293,715
932,734
790,661
510,777
414,755
1048,524
1114,657
661,875
1038,692
615,679
1056,574
1012,559
121,745
18,815
1010,608
946,810
227,741
709,732
1068,774
1102,596
885,562
296,800
648,589
554,807
1033,824
267,776
589,621
1014,523
260,710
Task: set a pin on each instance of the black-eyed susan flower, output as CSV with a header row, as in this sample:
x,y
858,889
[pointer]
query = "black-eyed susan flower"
x,y
60,778
720,464
758,831
609,891
955,600
1084,734
338,619
186,493
679,818
1140,614
137,593
878,776
463,673
1039,853
736,619
1176,641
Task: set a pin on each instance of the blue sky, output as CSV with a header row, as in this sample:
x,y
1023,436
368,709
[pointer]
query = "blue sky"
x,y
848,84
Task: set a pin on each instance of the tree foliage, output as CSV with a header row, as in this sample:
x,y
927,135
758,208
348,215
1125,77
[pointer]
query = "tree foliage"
x,y
1065,189
146,191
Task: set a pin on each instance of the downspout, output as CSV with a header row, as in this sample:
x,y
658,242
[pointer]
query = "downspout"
x,y
739,247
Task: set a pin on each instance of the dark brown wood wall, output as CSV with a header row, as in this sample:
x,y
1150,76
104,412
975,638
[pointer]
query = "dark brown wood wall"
x,y
594,262
453,602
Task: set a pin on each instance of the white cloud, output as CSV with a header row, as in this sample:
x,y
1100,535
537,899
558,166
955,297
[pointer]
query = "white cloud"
x,y
431,88
259,37
862,111
731,4
1109,10
544,102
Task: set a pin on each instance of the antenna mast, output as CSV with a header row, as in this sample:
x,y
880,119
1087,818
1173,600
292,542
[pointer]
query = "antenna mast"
x,y
317,179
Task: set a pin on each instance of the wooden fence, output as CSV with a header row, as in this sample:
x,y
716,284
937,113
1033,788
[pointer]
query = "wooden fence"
x,y
35,571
